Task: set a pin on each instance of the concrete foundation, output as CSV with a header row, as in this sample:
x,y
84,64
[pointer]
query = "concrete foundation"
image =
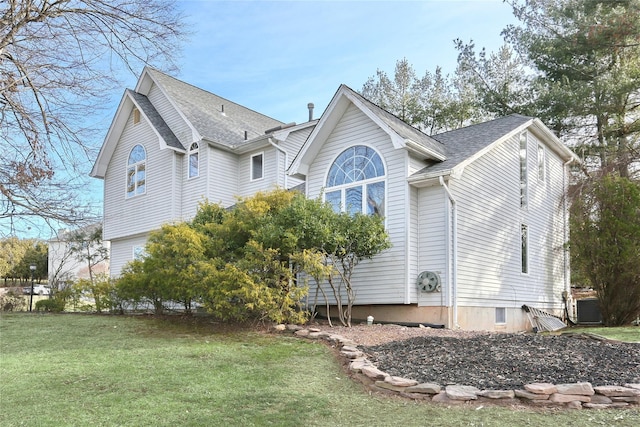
x,y
469,318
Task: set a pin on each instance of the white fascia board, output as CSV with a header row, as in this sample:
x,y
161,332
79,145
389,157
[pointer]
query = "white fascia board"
x,y
113,134
539,128
282,135
144,86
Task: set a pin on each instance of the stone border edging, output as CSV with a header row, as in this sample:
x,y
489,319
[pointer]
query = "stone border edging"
x,y
575,396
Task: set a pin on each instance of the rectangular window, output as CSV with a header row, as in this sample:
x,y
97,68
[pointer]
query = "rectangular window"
x,y
353,200
138,253
524,248
523,170
136,116
193,164
375,198
334,198
501,315
542,164
257,166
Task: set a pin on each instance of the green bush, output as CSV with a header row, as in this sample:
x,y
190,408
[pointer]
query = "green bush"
x,y
51,305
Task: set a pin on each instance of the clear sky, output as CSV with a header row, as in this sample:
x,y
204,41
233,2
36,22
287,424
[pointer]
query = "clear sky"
x,y
277,56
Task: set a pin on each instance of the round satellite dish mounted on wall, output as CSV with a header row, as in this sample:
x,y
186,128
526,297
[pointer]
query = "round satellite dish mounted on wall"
x,y
429,281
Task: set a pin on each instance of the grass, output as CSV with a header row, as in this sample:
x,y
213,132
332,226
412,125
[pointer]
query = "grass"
x,y
79,370
624,333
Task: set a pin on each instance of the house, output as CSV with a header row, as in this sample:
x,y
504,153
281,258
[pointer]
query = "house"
x,y
77,254
476,215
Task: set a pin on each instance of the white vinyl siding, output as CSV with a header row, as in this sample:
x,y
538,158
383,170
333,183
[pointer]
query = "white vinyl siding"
x,y
383,279
171,116
126,216
489,231
433,232
270,172
122,252
222,176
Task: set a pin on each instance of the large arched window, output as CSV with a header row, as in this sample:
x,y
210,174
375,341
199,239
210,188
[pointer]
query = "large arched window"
x,y
136,171
194,165
356,182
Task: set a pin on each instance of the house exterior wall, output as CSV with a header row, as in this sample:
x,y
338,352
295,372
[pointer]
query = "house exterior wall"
x,y
122,251
382,280
489,272
171,116
221,175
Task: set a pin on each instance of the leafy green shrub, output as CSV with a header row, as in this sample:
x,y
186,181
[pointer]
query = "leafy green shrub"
x,y
54,305
12,301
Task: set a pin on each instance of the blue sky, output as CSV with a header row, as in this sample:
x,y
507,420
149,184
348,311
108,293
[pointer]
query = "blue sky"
x,y
277,56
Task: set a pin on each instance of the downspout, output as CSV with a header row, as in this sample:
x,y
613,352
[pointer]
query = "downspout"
x,y
286,161
454,252
565,240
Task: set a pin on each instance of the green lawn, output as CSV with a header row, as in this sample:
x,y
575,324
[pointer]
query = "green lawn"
x,y
80,370
625,333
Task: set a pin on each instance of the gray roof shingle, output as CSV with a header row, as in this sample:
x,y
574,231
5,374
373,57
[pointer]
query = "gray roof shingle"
x,y
156,120
205,112
463,143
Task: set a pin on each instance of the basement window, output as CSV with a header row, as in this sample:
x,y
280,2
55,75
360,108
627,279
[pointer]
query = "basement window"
x,y
501,315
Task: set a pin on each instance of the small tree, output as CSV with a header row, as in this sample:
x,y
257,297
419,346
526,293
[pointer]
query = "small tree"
x,y
605,244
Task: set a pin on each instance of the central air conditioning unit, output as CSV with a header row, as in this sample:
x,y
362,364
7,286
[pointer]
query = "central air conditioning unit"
x,y
429,281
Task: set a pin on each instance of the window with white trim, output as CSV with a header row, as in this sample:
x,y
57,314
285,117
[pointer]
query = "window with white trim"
x,y
524,248
194,165
257,166
542,164
139,253
356,182
524,184
501,315
136,171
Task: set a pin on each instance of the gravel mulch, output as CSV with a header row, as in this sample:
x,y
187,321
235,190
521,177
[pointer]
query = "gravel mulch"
x,y
495,360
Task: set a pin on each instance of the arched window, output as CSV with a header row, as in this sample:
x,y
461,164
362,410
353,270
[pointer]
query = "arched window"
x,y
193,160
136,171
356,181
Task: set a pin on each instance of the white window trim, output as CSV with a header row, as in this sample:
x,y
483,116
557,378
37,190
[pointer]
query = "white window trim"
x,y
251,166
126,175
524,173
190,153
526,265
542,169
503,314
342,187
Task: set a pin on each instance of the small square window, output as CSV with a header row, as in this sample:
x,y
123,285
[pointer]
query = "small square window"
x,y
257,166
501,315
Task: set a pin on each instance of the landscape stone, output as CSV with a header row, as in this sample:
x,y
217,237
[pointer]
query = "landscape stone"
x,y
635,386
497,394
291,327
629,399
579,388
614,390
541,388
425,388
281,327
574,405
373,372
388,386
462,392
566,398
600,399
352,354
531,396
400,382
302,333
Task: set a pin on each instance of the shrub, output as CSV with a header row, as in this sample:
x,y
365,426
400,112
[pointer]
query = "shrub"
x,y
54,305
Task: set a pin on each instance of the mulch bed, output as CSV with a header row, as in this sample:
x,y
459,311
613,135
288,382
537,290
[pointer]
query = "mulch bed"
x,y
509,361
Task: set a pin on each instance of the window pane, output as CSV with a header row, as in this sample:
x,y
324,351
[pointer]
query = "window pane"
x,y
375,199
137,154
353,200
524,248
335,199
256,167
131,184
193,165
355,164
140,179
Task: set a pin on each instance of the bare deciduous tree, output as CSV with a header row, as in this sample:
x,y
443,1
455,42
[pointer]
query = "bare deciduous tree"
x,y
59,61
